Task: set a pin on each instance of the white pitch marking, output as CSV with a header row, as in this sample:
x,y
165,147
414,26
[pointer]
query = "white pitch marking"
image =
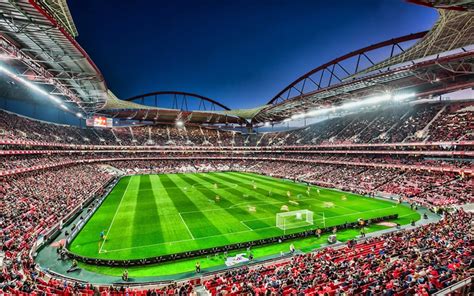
x,y
116,212
243,223
264,202
188,240
186,225
237,232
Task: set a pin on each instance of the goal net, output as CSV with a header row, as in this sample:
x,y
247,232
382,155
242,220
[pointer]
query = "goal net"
x,y
294,219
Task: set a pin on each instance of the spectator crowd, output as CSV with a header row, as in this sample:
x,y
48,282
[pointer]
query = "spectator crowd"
x,y
420,261
423,122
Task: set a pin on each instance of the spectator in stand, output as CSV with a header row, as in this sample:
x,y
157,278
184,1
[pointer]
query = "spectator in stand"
x,y
422,260
391,124
409,262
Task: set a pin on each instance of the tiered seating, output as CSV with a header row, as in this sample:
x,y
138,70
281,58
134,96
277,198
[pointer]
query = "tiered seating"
x,y
406,129
414,183
456,122
409,262
457,191
390,125
33,202
16,127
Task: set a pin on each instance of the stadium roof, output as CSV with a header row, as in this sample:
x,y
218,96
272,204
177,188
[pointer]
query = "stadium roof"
x,y
205,112
452,30
441,60
460,5
37,40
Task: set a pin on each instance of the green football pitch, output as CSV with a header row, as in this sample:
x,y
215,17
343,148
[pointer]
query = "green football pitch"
x,y
153,215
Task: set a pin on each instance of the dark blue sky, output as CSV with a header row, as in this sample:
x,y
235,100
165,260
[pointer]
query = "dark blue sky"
x,y
240,53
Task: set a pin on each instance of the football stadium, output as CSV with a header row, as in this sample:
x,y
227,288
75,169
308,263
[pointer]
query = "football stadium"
x,y
356,178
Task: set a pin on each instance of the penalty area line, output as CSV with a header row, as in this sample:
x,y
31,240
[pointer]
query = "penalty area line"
x,y
243,223
232,233
238,232
188,240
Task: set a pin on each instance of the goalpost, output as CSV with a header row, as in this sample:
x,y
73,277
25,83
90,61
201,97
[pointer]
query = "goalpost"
x,y
294,219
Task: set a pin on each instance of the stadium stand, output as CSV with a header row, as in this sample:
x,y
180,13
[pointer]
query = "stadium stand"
x,y
37,200
409,262
453,122
33,203
16,127
419,151
67,171
423,122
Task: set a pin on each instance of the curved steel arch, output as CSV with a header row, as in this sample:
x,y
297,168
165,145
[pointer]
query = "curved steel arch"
x,y
445,4
170,92
331,65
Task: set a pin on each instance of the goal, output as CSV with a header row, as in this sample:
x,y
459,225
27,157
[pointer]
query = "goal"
x,y
294,219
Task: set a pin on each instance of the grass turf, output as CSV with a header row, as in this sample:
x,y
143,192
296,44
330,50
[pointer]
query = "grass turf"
x,y
152,215
169,270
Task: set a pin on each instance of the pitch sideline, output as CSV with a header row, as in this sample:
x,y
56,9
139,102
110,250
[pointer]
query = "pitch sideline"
x,y
237,232
115,215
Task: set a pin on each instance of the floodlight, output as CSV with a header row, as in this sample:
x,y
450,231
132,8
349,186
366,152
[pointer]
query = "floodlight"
x,y
54,99
298,116
5,56
401,97
353,105
30,85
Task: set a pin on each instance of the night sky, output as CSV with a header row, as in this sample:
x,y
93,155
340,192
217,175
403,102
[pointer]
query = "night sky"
x,y
240,53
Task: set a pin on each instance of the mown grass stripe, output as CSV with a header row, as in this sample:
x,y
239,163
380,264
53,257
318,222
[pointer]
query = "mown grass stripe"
x,y
194,197
258,195
225,202
89,239
284,186
265,187
232,223
306,203
172,225
146,215
121,231
200,225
